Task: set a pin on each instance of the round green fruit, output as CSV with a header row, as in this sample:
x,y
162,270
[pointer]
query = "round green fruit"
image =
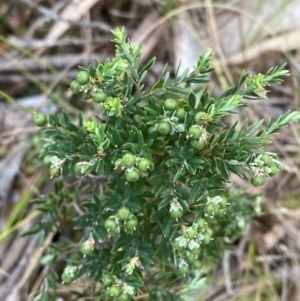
x,y
107,279
40,119
267,159
241,224
211,208
223,203
197,264
221,212
201,118
170,104
143,165
68,275
114,291
207,238
183,270
177,246
118,163
180,114
191,258
86,249
124,213
132,175
198,145
99,97
191,233
274,170
47,160
111,225
128,160
164,128
194,251
176,214
195,132
201,222
131,223
123,297
75,86
83,77
258,181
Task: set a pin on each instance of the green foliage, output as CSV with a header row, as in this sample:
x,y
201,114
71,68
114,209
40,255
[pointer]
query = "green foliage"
x,y
167,156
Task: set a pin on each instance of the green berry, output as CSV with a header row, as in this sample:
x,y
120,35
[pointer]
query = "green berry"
x,y
123,297
195,132
180,114
170,104
177,246
124,213
258,181
131,223
198,145
211,208
207,238
190,258
111,225
128,160
267,159
143,165
68,275
176,214
183,270
47,160
75,86
99,97
241,223
115,291
191,233
132,175
107,279
118,163
201,223
197,264
223,203
201,118
221,212
83,77
194,251
87,249
40,119
164,128
67,278
274,170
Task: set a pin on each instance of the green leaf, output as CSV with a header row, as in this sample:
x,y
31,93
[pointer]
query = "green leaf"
x,y
135,99
167,225
192,100
148,66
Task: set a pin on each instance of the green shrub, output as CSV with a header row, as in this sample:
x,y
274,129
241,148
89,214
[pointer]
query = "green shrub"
x,y
165,210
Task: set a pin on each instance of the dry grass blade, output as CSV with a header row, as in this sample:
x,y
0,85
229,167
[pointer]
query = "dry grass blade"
x,y
284,43
60,27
